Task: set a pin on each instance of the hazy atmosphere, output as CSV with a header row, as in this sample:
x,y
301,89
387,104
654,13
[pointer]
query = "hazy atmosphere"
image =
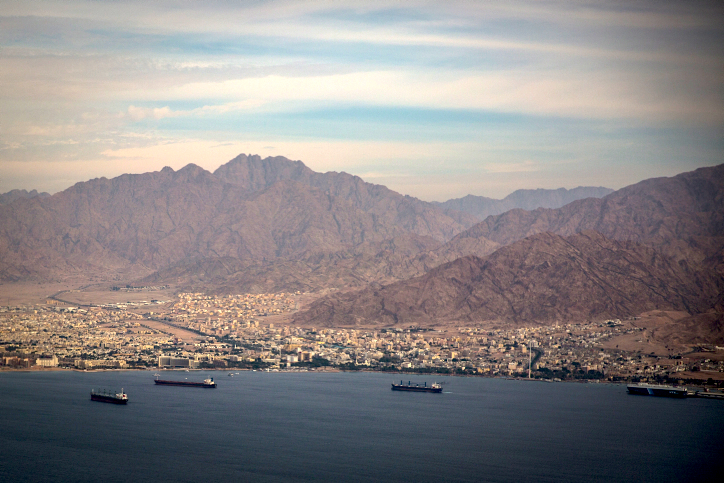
x,y
381,241
432,100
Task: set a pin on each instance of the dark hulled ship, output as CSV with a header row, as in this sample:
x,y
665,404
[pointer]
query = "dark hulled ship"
x,y
109,397
434,387
660,391
208,383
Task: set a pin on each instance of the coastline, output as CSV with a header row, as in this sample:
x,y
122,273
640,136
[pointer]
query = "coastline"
x,y
686,381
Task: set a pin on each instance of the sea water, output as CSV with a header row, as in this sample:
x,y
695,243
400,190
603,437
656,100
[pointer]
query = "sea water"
x,y
259,426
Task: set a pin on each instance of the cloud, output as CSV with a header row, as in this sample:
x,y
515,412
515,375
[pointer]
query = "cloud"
x,y
162,83
567,92
586,71
157,113
139,113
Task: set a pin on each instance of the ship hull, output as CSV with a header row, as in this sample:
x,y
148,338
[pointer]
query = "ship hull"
x,y
161,382
659,391
401,387
108,399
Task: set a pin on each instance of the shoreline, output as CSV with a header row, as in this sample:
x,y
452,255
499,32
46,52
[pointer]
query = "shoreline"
x,y
409,375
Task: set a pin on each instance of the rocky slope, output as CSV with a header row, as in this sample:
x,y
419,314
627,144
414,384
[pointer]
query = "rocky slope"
x,y
682,216
252,173
274,225
368,263
542,279
249,209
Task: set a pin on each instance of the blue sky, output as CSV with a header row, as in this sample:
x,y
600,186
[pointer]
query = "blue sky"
x,y
433,99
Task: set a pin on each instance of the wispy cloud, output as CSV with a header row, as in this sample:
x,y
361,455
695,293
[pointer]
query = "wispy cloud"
x,y
94,80
158,113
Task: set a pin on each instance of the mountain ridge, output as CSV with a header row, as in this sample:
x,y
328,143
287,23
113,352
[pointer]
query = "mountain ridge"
x,y
682,215
272,225
525,199
10,196
150,220
543,279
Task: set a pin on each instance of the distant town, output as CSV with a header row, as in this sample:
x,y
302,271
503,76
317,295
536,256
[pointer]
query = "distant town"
x,y
199,331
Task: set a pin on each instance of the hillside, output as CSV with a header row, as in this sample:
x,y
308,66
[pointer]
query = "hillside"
x,y
369,263
139,223
539,280
269,225
682,216
252,173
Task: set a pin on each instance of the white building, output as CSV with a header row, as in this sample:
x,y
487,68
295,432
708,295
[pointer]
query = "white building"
x,y
168,361
47,361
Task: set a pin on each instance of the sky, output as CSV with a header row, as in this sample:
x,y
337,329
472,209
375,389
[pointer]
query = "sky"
x,y
433,99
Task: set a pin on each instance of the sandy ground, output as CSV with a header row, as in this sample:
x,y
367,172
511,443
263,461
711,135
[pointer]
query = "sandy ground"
x,y
100,296
29,293
640,342
647,340
714,375
38,293
182,334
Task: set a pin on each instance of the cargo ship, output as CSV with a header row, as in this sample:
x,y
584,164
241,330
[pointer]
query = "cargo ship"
x,y
661,391
208,383
109,397
435,387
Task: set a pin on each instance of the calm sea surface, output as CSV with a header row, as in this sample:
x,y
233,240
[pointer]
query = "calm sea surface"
x,y
348,427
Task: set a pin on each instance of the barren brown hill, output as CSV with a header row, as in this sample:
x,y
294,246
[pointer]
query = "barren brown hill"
x,y
368,263
252,173
706,328
682,216
142,223
541,279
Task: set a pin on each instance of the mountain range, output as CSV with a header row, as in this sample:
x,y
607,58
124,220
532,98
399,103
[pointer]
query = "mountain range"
x,y
264,225
482,207
545,278
657,244
13,195
249,211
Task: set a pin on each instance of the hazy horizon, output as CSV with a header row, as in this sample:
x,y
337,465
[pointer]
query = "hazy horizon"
x,y
251,154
